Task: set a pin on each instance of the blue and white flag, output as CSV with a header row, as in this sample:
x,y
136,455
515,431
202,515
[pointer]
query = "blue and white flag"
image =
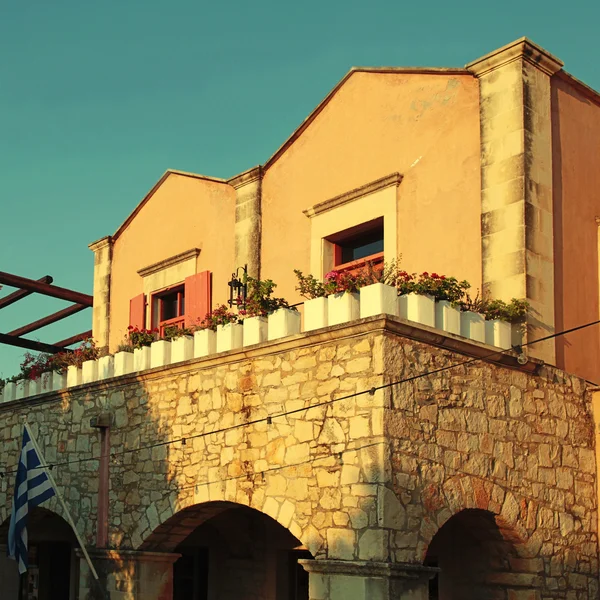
x,y
32,487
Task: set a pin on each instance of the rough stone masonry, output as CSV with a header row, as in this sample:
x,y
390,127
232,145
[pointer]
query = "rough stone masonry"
x,y
365,483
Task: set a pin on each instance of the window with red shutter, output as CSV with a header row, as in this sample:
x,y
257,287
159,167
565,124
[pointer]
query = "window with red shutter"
x,y
198,297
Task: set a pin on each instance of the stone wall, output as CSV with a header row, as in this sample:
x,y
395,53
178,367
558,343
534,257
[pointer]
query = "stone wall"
x,y
371,477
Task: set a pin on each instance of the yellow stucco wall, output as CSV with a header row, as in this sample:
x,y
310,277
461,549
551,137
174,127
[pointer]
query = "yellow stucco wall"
x,y
576,193
425,126
183,213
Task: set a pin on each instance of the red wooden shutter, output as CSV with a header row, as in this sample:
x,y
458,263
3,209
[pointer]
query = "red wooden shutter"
x,y
337,255
198,297
137,311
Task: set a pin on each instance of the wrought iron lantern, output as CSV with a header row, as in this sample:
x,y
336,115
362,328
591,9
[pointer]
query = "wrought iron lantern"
x,y
238,288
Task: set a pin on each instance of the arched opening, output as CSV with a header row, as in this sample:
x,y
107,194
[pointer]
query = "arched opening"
x,y
471,551
52,561
229,551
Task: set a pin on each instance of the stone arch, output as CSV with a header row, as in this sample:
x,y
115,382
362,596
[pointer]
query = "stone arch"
x,y
216,537
459,493
477,558
210,500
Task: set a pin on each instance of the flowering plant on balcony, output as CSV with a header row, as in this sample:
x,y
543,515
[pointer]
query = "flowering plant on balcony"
x,y
432,284
259,299
309,286
86,351
33,367
337,282
514,311
137,338
172,332
218,316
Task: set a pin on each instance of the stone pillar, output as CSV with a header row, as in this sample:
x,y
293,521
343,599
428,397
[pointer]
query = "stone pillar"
x,y
363,580
125,574
248,219
516,182
102,250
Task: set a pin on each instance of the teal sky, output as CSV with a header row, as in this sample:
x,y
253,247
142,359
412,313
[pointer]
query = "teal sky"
x,y
98,99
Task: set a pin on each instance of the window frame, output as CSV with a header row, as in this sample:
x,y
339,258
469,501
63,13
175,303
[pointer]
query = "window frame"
x,y
157,308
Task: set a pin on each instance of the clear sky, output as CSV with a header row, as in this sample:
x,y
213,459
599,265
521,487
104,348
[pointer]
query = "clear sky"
x,y
98,99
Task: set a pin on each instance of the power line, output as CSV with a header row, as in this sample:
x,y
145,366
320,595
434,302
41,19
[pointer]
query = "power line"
x,y
269,418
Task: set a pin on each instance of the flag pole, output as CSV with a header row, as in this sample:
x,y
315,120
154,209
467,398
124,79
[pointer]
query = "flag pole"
x,y
62,502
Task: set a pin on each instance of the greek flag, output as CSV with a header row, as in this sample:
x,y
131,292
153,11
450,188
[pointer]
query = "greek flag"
x,y
32,487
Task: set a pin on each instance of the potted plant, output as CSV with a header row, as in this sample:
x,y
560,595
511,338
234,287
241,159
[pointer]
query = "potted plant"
x,y
264,316
72,362
182,342
225,323
447,292
343,303
315,305
378,291
472,318
416,301
138,341
500,317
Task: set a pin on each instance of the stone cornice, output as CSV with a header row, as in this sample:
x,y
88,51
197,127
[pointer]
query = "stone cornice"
x,y
363,568
369,188
101,243
521,49
169,262
246,177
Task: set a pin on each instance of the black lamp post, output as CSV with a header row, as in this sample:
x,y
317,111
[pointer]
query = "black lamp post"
x,y
238,288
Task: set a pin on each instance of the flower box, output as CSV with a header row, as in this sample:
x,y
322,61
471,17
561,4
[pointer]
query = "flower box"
x,y
160,353
141,358
123,363
498,333
418,308
205,342
89,371
35,386
283,322
472,326
182,348
73,376
22,389
10,391
59,381
378,299
46,382
447,318
255,330
315,314
229,337
106,367
342,307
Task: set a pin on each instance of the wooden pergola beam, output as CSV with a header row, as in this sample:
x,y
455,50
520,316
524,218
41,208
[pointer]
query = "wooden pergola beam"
x,y
20,342
15,296
46,289
57,316
75,338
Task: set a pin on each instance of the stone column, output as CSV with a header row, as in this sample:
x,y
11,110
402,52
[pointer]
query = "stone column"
x,y
248,219
363,580
516,182
102,250
127,574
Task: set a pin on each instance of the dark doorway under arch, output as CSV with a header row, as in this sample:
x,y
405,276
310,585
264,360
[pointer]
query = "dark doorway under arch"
x,y
232,552
52,561
470,550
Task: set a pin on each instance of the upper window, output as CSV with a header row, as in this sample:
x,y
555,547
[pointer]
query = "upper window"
x,y
356,246
169,308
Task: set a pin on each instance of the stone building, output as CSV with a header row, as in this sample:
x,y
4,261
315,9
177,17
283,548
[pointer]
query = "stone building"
x,y
377,458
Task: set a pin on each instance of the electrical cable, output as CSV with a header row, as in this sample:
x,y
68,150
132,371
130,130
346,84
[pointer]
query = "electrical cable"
x,y
270,418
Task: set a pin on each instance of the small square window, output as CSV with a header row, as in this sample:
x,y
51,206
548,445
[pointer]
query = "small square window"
x,y
356,246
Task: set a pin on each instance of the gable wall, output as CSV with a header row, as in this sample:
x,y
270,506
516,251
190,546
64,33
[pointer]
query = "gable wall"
x,y
425,126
